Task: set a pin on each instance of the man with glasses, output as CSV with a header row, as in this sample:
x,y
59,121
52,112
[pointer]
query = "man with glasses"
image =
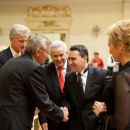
x,y
18,97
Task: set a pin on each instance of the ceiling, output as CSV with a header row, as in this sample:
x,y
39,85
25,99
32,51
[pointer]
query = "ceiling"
x,y
57,2
62,1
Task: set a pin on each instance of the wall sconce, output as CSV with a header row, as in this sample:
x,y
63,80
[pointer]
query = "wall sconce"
x,y
96,30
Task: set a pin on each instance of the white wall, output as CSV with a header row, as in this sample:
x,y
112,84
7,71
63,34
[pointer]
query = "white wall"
x,y
85,15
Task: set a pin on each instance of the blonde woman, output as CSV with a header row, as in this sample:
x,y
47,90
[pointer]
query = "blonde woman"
x,y
119,46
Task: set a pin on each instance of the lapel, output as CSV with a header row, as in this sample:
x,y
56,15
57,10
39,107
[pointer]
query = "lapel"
x,y
9,54
73,87
81,101
52,74
89,81
75,91
54,78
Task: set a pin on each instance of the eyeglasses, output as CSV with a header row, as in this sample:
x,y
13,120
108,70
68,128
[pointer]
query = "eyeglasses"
x,y
46,51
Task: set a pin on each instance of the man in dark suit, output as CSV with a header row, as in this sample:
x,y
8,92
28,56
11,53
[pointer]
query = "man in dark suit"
x,y
82,87
18,96
18,37
50,74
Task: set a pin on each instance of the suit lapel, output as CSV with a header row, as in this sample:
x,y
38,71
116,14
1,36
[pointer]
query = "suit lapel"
x,y
54,78
74,87
76,94
9,54
89,81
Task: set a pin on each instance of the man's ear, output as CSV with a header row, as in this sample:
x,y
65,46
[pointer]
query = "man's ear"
x,y
85,58
37,52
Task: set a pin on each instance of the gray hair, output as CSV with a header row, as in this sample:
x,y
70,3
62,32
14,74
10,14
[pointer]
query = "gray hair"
x,y
19,29
34,42
120,32
58,43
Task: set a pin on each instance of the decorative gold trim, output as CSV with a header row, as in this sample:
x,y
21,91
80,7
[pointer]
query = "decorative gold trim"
x,y
48,11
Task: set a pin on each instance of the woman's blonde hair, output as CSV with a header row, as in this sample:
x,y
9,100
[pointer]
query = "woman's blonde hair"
x,y
120,32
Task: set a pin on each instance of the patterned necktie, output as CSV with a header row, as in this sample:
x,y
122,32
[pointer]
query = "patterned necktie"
x,y
61,78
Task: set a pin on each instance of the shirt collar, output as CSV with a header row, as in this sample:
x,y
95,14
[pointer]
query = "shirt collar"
x,y
82,72
14,53
65,65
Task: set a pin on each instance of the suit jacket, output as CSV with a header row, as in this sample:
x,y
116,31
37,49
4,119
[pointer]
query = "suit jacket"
x,y
53,88
19,97
81,114
5,55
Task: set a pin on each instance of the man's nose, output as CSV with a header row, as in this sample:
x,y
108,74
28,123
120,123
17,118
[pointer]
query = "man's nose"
x,y
70,62
58,58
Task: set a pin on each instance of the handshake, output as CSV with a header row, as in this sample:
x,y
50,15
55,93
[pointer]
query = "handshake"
x,y
66,113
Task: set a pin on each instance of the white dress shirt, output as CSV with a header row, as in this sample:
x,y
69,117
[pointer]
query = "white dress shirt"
x,y
84,76
14,53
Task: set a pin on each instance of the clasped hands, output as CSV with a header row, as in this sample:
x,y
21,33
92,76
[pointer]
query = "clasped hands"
x,y
66,113
44,126
99,107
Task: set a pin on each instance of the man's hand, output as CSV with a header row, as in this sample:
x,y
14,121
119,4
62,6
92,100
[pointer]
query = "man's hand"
x,y
44,126
36,111
66,113
99,107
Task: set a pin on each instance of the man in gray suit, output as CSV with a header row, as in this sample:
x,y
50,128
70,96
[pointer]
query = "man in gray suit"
x,y
18,38
18,98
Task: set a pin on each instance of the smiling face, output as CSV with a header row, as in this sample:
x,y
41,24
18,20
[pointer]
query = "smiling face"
x,y
77,63
59,56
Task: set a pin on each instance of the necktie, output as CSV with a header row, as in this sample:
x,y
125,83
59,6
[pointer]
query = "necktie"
x,y
79,80
61,77
80,89
86,70
80,84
